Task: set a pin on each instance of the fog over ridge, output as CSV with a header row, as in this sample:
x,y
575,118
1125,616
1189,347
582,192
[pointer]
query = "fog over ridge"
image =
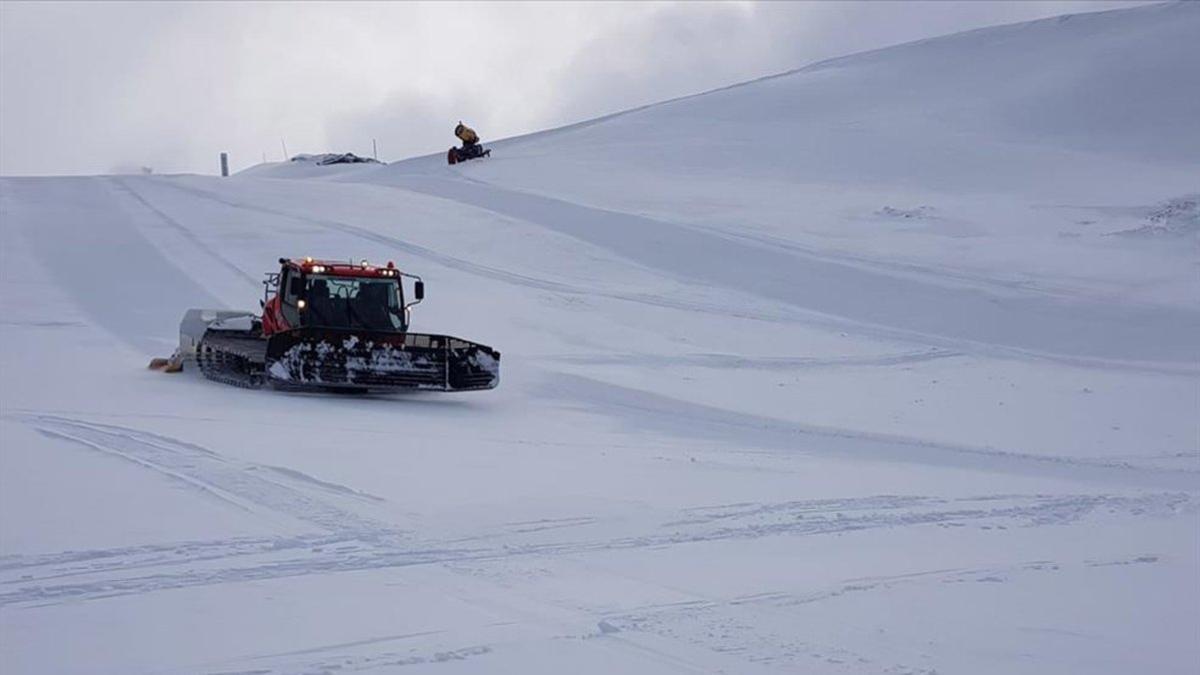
x,y
101,87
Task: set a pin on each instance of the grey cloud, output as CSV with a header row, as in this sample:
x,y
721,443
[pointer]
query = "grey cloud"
x,y
87,87
684,49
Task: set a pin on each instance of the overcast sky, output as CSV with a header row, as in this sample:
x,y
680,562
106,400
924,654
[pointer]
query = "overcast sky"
x,y
108,87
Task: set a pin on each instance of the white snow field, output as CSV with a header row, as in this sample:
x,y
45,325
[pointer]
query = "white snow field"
x,y
890,364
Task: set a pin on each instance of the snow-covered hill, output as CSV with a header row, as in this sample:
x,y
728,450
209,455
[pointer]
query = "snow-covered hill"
x,y
1017,154
890,364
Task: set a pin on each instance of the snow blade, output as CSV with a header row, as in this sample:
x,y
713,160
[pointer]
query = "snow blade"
x,y
330,358
171,365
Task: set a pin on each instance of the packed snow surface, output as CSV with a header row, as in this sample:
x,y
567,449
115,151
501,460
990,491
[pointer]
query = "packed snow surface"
x,y
890,364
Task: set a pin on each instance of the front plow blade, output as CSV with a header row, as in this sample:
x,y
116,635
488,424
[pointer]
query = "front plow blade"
x,y
348,359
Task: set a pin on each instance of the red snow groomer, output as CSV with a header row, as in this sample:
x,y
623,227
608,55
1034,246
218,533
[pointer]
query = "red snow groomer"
x,y
330,325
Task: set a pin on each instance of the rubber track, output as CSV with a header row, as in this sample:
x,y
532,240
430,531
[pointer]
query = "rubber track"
x,y
233,358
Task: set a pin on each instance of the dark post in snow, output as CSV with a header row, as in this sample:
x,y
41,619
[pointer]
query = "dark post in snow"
x,y
224,163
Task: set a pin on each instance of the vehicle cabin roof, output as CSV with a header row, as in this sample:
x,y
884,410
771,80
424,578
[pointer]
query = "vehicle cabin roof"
x,y
341,268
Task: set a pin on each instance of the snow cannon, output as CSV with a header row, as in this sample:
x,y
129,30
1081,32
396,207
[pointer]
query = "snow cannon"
x,y
330,326
456,155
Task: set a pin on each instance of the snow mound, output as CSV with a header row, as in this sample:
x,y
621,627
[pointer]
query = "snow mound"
x,y
325,159
1173,218
918,213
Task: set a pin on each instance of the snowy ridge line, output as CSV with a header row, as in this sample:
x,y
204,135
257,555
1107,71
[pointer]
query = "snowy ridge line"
x,y
495,273
259,489
808,68
184,231
306,555
664,414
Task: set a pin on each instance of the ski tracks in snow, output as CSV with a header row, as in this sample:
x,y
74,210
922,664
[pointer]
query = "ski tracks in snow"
x,y
935,311
647,411
326,529
811,298
320,514
186,232
755,362
334,536
760,627
251,487
496,273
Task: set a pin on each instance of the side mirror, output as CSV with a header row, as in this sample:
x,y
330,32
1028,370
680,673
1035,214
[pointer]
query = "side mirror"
x,y
419,290
295,286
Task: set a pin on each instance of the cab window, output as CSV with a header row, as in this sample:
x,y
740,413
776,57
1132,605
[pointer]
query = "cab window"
x,y
288,296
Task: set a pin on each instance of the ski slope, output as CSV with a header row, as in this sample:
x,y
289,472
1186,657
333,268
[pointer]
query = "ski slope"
x,y
890,364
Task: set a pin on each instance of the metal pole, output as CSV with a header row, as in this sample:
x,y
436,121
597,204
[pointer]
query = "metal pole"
x,y
224,163
374,150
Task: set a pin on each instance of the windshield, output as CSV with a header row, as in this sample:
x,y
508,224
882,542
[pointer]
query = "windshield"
x,y
351,302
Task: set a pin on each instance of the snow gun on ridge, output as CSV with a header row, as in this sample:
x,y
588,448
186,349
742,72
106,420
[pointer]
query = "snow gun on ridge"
x,y
330,325
471,149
